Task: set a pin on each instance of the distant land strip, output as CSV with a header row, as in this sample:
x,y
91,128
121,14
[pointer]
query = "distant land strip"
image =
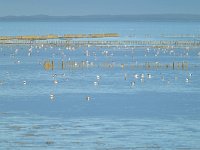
x,y
53,36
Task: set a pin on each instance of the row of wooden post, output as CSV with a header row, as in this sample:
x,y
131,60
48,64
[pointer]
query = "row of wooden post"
x,y
50,65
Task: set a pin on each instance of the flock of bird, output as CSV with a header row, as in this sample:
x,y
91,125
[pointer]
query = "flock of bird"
x,y
92,51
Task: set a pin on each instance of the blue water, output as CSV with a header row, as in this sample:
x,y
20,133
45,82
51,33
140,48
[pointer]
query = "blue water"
x,y
127,30
157,112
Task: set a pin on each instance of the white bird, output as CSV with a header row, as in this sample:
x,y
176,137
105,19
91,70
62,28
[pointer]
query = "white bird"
x,y
136,76
24,82
52,97
142,80
96,83
142,75
98,77
149,76
18,62
132,83
55,81
88,98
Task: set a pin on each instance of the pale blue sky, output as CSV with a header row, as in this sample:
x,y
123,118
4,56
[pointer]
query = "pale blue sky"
x,y
95,7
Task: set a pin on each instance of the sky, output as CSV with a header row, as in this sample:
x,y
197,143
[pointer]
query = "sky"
x,y
97,7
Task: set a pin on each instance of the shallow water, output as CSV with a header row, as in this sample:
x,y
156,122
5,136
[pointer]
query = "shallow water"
x,y
150,121
99,107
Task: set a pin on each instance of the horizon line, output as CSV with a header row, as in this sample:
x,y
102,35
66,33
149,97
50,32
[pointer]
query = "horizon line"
x,y
153,14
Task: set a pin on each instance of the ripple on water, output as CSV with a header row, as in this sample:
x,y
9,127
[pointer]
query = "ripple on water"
x,y
98,133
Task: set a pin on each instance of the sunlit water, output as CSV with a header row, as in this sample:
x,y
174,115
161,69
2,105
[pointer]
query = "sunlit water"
x,y
99,107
